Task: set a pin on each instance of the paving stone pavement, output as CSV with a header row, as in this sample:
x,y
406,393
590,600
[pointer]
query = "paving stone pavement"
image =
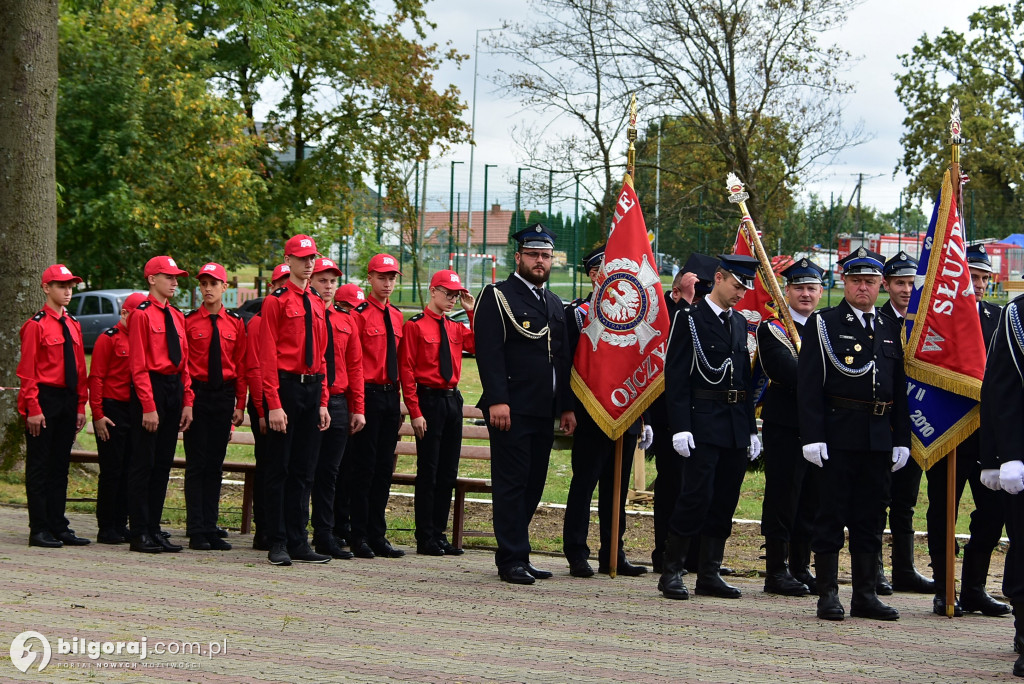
x,y
427,619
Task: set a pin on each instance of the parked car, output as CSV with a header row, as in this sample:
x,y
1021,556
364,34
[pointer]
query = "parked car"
x,y
97,310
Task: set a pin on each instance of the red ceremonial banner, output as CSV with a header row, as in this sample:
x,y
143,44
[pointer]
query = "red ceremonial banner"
x,y
619,368
757,304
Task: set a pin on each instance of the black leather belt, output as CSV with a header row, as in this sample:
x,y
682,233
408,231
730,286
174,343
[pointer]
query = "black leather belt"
x,y
728,396
390,387
437,391
300,378
875,408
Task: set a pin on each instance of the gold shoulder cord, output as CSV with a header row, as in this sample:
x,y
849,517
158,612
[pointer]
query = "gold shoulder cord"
x,y
543,332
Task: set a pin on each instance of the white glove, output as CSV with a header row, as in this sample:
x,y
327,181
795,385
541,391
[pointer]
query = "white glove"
x,y
900,456
754,450
682,442
990,478
1011,476
816,453
646,438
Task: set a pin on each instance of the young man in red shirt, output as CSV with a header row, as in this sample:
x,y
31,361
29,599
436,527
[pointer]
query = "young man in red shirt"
x,y
216,365
430,363
110,380
344,368
373,448
161,402
52,401
293,338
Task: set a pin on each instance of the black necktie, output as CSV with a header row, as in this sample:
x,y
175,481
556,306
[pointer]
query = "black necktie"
x,y
445,353
543,300
391,360
216,368
727,319
173,342
309,329
70,367
867,323
329,354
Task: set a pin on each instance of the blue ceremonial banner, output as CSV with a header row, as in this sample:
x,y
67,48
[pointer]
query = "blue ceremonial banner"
x,y
944,355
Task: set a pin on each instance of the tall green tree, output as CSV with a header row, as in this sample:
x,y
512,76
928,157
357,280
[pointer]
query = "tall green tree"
x,y
151,160
984,68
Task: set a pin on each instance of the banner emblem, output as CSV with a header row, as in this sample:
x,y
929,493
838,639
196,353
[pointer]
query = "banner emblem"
x,y
627,305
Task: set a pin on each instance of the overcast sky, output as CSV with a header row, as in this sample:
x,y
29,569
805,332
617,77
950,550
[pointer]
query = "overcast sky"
x,y
877,31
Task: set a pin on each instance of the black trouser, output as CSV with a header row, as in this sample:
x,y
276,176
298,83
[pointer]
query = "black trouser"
x,y
343,492
206,444
153,453
667,485
854,486
437,461
115,454
790,486
291,461
259,453
988,514
47,458
593,464
906,484
1013,569
519,468
332,446
712,477
373,452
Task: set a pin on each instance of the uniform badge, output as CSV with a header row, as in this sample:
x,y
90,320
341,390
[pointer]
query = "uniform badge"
x,y
526,324
848,360
988,314
849,318
856,348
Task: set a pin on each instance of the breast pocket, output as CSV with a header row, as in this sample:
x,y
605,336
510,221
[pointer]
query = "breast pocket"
x,y
294,320
892,351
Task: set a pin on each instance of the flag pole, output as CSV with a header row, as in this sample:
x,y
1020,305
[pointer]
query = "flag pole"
x,y
738,196
955,140
613,550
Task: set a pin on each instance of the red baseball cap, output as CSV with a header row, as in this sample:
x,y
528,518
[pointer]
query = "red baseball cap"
x,y
163,264
324,264
131,303
350,293
280,271
300,246
214,270
383,263
449,280
59,273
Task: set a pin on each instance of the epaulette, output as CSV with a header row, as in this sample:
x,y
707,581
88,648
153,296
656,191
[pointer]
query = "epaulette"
x,y
313,290
39,316
362,307
337,308
279,291
417,317
577,301
192,313
110,331
174,307
72,318
143,305
233,313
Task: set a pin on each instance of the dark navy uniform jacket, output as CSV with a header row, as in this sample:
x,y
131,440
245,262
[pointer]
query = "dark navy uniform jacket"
x,y
1002,390
819,378
777,356
514,362
711,421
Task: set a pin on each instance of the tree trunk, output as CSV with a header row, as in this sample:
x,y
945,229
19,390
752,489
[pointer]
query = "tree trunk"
x,y
28,203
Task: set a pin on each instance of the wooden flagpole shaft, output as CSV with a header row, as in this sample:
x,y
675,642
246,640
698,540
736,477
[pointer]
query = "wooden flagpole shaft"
x,y
613,551
950,532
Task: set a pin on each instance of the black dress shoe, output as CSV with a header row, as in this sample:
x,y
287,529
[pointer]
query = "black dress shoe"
x,y
217,543
278,555
448,549
304,554
165,543
329,546
384,549
580,568
198,542
625,568
143,543
429,549
978,600
222,533
939,606
1018,667
44,540
538,573
362,550
517,574
259,543
69,538
109,536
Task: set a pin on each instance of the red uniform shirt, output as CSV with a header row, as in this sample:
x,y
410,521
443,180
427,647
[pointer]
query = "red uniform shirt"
x,y
253,377
42,359
373,338
110,376
231,328
147,350
419,355
282,344
348,359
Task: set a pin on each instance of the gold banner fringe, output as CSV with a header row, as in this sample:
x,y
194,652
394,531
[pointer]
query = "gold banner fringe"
x,y
615,428
943,378
926,457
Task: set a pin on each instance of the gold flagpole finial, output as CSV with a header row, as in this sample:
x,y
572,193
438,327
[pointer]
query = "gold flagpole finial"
x,y
955,139
631,136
